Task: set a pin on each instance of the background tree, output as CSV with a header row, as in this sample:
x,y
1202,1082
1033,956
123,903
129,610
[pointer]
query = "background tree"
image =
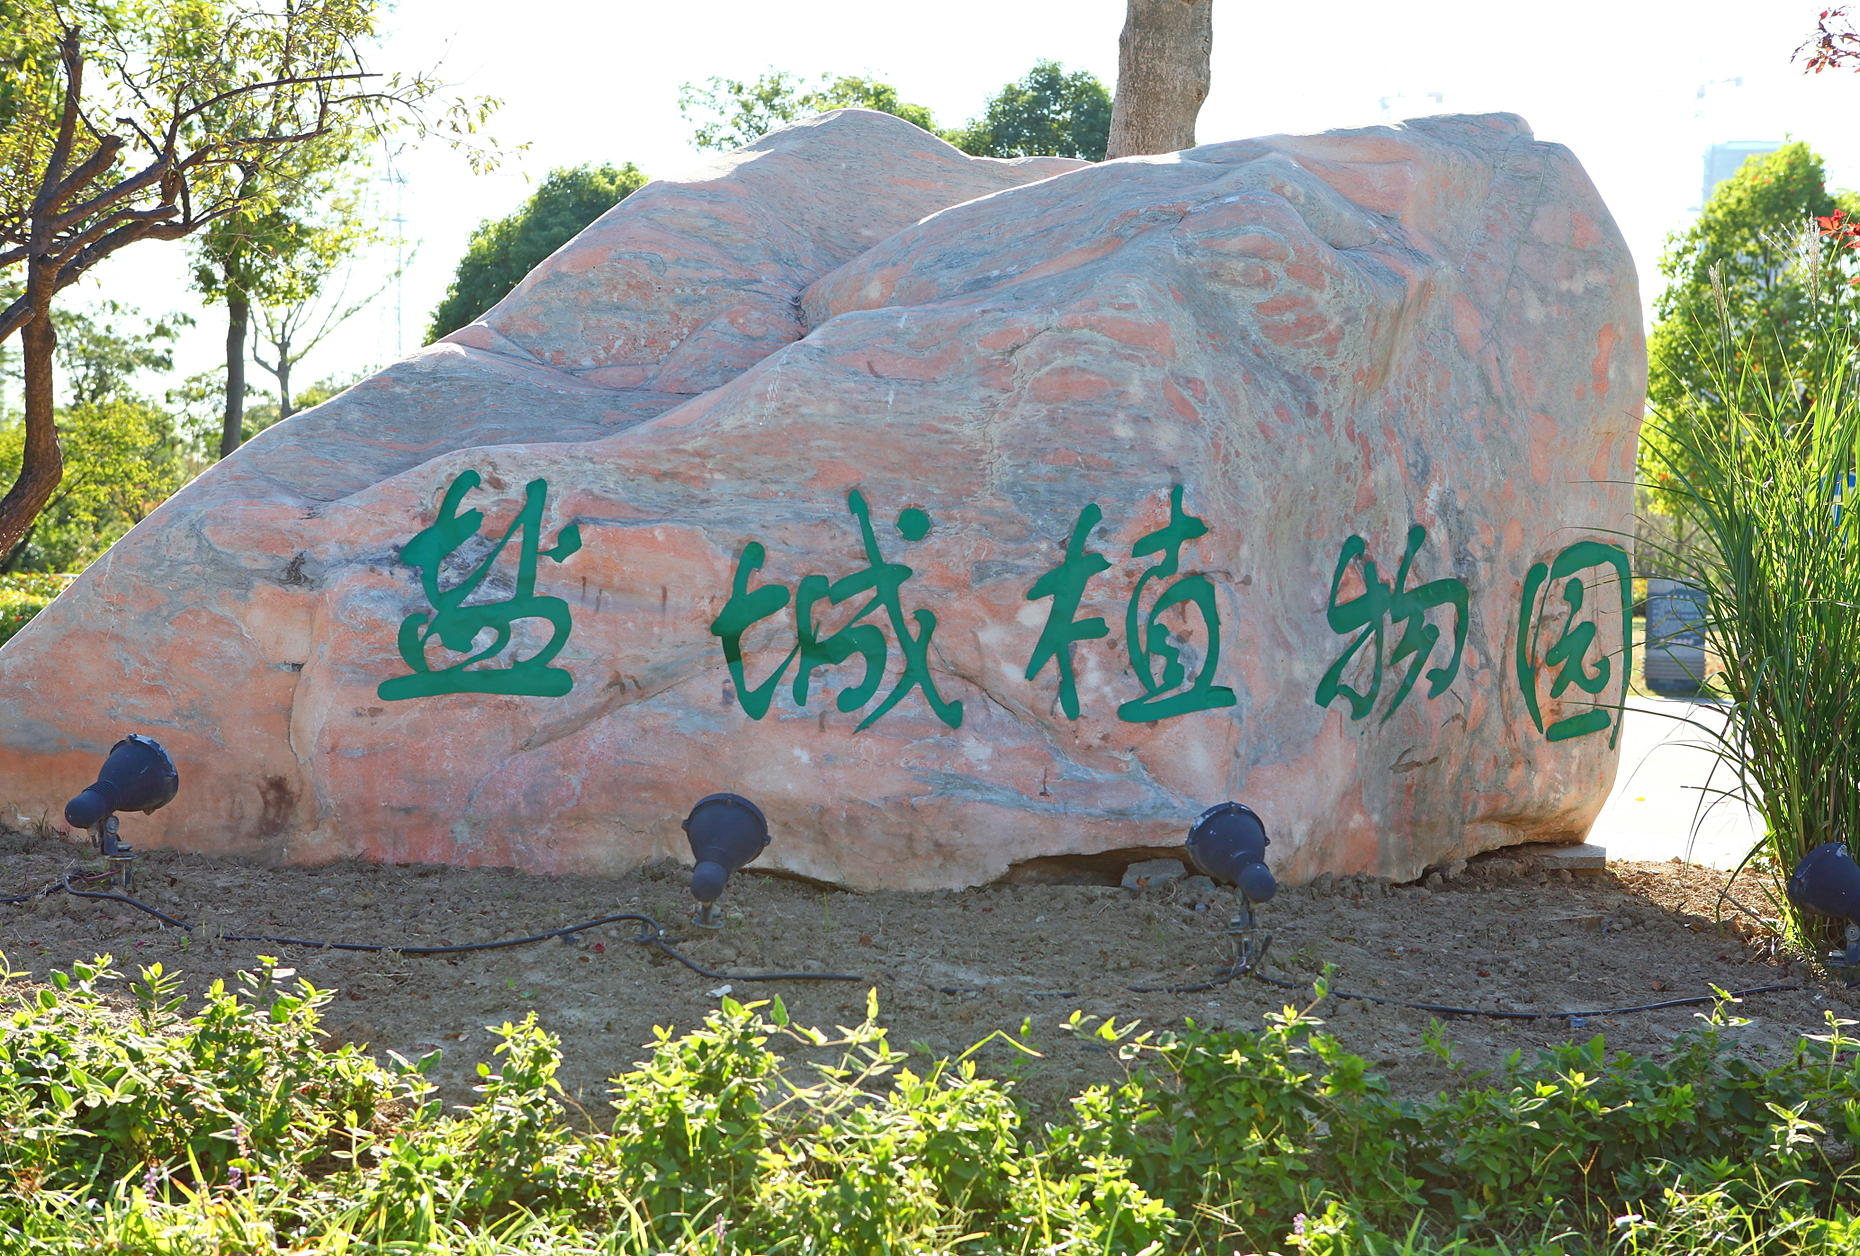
x,y
125,454
1046,113
297,310
504,251
1834,44
1163,75
730,113
102,353
125,459
1755,270
184,103
241,258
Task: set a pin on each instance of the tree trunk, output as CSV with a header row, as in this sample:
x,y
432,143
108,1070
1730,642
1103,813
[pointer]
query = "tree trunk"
x,y
238,314
42,464
284,378
1162,75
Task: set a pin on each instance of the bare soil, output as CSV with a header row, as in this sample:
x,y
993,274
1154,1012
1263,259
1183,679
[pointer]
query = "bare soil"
x,y
949,967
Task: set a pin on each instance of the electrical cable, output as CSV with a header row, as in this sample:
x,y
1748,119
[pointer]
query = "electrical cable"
x,y
1694,1001
650,934
1247,964
52,887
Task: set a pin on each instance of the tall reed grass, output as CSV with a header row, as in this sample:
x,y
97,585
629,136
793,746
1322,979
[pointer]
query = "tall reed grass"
x,y
1761,471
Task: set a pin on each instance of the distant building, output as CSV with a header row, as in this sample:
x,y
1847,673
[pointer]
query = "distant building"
x,y
1410,105
1723,160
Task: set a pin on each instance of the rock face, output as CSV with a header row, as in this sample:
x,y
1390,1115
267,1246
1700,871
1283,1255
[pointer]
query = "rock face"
x,y
962,513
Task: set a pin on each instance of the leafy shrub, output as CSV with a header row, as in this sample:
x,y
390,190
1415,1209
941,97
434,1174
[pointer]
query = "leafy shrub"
x,y
24,595
91,1092
1255,1130
134,1129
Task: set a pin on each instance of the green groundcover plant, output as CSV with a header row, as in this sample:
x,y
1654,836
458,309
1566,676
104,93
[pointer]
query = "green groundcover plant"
x,y
131,1127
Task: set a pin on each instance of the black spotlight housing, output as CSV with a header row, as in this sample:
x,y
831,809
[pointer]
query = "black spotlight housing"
x,y
137,775
1827,882
1228,842
726,831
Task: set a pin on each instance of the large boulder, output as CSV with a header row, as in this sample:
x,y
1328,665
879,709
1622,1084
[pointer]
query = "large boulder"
x,y
962,513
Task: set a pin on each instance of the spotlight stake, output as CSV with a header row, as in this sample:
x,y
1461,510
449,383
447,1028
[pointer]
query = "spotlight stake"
x,y
1228,843
137,775
103,836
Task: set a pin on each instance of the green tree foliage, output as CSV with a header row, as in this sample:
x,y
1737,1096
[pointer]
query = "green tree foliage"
x,y
501,253
130,120
273,261
730,113
125,460
1780,289
125,454
1046,113
101,355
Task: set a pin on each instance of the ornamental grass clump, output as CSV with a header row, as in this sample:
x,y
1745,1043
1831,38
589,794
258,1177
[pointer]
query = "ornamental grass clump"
x,y
1761,471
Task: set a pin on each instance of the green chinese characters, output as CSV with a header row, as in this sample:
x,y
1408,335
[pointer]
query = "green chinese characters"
x,y
458,625
884,581
1155,658
1569,653
1380,607
1065,584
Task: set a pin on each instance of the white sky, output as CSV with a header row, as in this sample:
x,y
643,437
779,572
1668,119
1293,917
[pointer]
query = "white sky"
x,y
1618,81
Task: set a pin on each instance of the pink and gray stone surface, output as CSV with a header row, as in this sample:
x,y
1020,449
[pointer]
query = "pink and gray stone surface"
x,y
960,512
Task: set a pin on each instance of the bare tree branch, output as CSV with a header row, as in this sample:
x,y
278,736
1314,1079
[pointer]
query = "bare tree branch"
x,y
93,168
68,53
105,225
14,317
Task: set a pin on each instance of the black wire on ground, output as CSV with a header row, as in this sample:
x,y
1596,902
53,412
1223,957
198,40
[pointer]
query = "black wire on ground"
x,y
650,934
1694,1001
1249,968
54,887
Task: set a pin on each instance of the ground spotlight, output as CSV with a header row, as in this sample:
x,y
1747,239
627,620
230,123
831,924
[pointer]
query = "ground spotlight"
x,y
1228,842
137,775
726,831
1827,882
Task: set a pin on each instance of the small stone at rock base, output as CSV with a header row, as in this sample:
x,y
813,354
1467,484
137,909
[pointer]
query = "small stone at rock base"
x,y
1199,886
1153,872
1587,859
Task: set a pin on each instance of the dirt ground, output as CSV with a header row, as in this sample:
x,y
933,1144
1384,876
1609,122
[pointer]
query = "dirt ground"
x,y
948,967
